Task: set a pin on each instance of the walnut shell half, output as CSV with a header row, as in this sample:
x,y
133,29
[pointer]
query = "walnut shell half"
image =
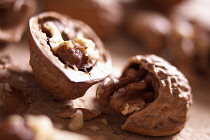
x,y
67,57
152,93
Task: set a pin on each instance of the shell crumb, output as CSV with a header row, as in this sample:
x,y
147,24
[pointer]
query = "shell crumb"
x,y
104,121
94,128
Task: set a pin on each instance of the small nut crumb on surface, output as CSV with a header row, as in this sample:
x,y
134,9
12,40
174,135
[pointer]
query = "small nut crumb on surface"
x,y
94,128
96,13
68,112
104,121
7,87
77,121
147,92
5,62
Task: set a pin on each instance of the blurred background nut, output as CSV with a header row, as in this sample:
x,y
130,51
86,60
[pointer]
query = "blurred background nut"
x,y
13,99
41,126
162,5
151,28
190,44
103,16
14,128
14,15
32,127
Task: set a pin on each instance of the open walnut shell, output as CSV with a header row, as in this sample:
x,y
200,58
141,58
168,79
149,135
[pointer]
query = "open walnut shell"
x,y
14,15
67,57
153,94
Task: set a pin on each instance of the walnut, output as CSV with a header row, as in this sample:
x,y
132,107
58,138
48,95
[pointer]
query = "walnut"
x,y
14,128
67,57
152,31
190,44
155,101
162,5
95,13
14,18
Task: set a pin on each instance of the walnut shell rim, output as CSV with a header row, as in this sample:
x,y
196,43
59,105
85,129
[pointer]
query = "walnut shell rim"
x,y
54,76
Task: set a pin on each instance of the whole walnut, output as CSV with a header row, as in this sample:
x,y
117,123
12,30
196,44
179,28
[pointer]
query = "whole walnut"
x,y
151,28
190,44
104,16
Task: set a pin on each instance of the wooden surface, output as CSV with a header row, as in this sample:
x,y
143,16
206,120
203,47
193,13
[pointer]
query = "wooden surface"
x,y
121,48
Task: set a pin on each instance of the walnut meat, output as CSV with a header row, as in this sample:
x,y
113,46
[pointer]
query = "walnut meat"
x,y
155,99
67,57
103,16
14,15
151,28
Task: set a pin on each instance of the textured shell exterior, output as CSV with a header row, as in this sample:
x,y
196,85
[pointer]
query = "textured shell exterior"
x,y
167,114
54,76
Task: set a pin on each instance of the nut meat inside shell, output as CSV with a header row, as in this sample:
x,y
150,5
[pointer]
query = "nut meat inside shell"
x,y
67,57
155,99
